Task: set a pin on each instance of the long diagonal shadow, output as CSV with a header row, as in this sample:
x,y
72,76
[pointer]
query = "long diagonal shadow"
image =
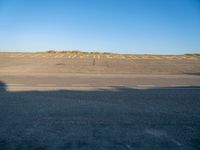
x,y
123,118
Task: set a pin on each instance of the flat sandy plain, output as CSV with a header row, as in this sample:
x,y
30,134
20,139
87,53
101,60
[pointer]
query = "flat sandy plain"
x,y
25,63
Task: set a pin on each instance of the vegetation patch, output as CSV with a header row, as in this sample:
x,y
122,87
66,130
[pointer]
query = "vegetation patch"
x,y
77,52
192,54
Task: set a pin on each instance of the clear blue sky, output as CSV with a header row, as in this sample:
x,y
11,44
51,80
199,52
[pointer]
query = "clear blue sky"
x,y
125,26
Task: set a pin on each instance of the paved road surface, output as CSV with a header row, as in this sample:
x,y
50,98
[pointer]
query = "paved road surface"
x,y
119,112
68,81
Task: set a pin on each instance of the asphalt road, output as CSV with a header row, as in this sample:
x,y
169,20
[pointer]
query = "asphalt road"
x,y
69,81
99,112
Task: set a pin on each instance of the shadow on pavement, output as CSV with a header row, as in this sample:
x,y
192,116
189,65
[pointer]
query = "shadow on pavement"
x,y
3,86
196,73
123,118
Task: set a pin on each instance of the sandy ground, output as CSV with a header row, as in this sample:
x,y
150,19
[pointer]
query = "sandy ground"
x,y
29,63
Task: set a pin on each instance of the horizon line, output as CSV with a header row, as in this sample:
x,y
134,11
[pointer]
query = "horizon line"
x,y
88,51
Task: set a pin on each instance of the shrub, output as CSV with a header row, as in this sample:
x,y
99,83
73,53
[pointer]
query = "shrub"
x,y
51,51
